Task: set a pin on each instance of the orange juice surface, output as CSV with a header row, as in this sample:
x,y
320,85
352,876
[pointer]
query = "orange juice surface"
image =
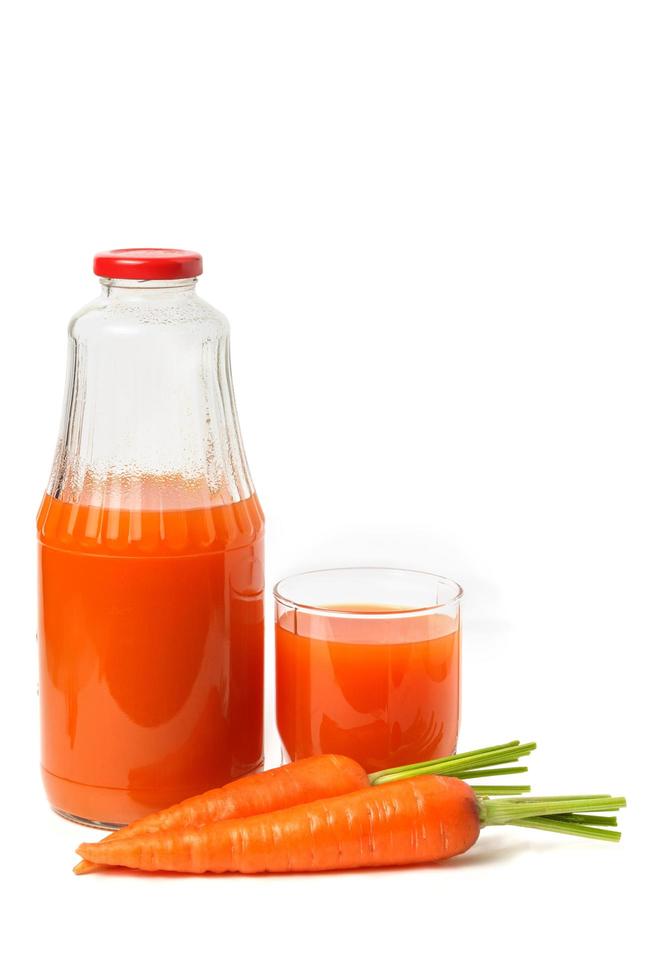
x,y
384,691
151,646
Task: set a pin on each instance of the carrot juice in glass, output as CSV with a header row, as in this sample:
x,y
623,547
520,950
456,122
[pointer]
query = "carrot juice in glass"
x,y
150,555
368,665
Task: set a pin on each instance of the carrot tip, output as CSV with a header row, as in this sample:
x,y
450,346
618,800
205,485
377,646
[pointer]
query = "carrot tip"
x,y
85,868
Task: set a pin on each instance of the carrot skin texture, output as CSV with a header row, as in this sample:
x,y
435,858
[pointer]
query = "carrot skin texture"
x,y
274,789
299,782
427,818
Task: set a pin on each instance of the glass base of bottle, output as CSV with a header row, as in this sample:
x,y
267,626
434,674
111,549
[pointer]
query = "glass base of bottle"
x,y
108,808
85,822
94,806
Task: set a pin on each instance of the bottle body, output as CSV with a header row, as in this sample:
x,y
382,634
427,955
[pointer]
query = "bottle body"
x,y
150,565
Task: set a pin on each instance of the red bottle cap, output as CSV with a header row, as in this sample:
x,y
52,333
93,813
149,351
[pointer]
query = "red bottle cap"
x,y
147,263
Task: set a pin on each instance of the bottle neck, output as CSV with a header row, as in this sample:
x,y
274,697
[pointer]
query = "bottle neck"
x,y
151,287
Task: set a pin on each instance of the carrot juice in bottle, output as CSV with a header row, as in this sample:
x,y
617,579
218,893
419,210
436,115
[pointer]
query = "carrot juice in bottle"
x,y
150,555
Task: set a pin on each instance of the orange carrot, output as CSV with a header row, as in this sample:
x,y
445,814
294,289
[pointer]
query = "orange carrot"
x,y
425,818
421,819
299,782
310,779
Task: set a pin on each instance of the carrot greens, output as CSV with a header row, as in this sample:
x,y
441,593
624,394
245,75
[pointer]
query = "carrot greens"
x,y
465,765
573,815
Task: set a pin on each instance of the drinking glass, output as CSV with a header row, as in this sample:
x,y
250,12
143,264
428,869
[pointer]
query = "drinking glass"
x,y
368,665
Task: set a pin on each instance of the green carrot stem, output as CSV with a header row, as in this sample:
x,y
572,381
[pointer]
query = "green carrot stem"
x,y
565,799
590,819
447,758
483,759
453,765
493,812
474,774
567,827
566,803
498,790
443,767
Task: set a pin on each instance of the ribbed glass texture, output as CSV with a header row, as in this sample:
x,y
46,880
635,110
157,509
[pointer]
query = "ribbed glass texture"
x,y
149,417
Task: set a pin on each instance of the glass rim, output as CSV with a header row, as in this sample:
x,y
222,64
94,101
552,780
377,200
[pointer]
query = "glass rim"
x,y
406,611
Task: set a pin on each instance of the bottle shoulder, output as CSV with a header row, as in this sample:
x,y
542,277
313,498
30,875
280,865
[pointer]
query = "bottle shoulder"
x,y
137,310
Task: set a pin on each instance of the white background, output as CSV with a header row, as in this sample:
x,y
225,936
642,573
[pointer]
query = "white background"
x,y
430,225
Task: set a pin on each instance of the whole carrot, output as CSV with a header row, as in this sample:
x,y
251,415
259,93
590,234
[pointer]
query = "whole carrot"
x,y
416,820
318,777
425,818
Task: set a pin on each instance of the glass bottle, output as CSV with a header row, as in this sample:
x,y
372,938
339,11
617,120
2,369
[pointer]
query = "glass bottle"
x,y
150,555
